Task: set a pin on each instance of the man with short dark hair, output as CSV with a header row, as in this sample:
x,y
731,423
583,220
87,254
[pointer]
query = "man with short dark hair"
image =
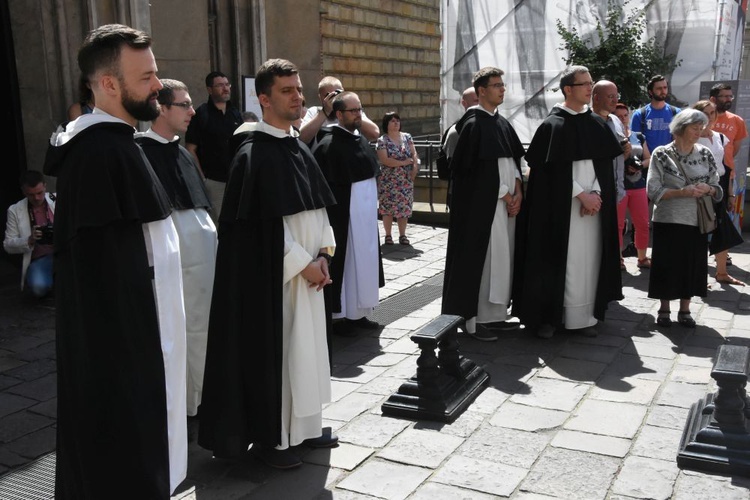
x,y
182,182
208,137
487,193
350,166
267,368
120,318
735,130
653,119
570,267
28,231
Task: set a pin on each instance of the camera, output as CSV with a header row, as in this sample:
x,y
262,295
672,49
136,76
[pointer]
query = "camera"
x,y
633,164
47,234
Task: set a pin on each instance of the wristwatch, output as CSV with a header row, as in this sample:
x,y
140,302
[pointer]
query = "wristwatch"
x,y
326,256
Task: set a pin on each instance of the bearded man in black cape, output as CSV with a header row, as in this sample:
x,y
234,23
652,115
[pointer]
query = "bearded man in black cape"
x,y
570,267
267,367
120,317
487,193
350,166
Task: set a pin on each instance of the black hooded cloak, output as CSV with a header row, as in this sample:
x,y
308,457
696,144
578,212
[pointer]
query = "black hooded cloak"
x,y
483,138
542,244
269,178
112,415
344,158
178,173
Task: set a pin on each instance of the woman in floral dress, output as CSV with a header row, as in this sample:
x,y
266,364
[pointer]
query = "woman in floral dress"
x,y
399,166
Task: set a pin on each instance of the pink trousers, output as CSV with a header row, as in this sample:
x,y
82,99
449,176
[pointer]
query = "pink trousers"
x,y
636,201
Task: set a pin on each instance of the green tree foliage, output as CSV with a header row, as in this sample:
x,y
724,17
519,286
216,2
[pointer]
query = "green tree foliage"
x,y
620,55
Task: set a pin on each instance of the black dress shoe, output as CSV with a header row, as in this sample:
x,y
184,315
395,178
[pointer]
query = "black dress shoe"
x,y
278,459
363,323
327,440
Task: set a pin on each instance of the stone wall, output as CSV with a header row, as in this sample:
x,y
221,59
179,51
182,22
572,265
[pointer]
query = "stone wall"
x,y
388,52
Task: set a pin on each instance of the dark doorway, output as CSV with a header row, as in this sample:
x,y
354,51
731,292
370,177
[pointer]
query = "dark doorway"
x,y
14,156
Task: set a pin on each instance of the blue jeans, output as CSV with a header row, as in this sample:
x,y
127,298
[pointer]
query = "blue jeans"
x,y
39,276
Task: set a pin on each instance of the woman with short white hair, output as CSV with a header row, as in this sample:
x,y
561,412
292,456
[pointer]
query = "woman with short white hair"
x,y
680,173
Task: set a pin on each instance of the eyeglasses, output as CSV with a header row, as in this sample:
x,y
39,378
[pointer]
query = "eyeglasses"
x,y
353,110
220,85
496,85
183,105
582,84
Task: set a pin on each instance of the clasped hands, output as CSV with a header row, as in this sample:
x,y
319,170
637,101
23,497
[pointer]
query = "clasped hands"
x,y
697,190
591,203
316,274
513,203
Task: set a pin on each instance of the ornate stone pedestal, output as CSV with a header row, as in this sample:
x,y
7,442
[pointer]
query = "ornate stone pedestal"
x,y
717,436
444,385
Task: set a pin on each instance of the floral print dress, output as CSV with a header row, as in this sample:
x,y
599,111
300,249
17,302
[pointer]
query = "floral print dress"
x,y
395,186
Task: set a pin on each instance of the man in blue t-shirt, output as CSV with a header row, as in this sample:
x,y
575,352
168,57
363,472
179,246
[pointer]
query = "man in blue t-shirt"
x,y
653,119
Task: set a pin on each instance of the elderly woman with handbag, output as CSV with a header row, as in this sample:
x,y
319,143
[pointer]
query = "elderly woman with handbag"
x,y
683,183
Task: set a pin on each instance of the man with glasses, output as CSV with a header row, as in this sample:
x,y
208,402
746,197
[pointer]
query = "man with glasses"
x,y
350,166
650,124
208,137
487,190
179,174
570,269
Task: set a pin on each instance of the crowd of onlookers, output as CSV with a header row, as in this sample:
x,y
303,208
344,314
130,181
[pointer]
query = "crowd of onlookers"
x,y
198,287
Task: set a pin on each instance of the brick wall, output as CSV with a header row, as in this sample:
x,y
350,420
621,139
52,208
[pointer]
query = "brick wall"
x,y
388,52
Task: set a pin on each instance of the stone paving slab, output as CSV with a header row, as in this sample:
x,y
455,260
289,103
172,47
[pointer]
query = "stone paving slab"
x,y
527,418
505,446
607,418
480,475
646,478
571,474
421,448
552,394
385,480
592,443
344,456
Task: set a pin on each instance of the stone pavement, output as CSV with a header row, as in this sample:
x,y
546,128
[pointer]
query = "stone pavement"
x,y
569,418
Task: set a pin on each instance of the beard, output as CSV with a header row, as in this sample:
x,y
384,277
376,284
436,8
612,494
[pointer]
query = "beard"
x,y
723,107
660,98
144,110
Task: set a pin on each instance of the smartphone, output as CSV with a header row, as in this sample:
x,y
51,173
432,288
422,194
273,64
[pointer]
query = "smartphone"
x,y
334,93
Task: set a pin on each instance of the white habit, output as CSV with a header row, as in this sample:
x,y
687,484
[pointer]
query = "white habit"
x,y
497,273
584,252
305,375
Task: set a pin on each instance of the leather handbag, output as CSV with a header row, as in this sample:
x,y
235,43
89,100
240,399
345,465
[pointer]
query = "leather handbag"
x,y
706,212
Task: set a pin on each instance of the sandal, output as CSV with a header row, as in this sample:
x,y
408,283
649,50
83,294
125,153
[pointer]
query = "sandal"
x,y
685,319
644,263
403,240
388,239
663,319
728,279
